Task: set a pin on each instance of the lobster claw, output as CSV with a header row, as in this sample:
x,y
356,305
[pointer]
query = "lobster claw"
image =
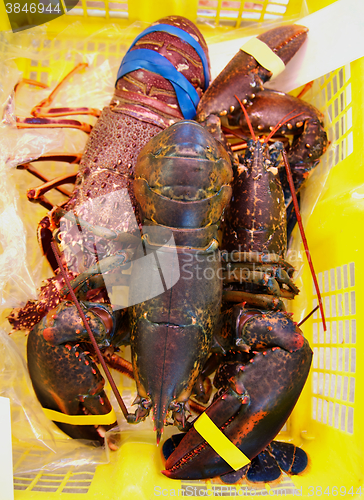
x,y
269,464
243,75
242,80
64,376
273,380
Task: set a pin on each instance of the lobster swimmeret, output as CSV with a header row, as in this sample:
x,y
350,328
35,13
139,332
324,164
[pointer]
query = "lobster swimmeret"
x,y
182,186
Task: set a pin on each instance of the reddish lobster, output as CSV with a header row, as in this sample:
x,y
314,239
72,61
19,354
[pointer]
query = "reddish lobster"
x,y
150,95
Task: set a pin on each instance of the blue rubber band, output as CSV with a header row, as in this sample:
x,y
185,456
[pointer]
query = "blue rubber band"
x,y
150,60
186,37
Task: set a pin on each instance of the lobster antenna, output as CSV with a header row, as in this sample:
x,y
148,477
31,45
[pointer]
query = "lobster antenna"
x,y
303,236
305,89
247,118
308,316
283,121
94,343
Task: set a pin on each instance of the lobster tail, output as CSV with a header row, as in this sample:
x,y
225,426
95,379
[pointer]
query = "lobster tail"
x,y
168,357
163,366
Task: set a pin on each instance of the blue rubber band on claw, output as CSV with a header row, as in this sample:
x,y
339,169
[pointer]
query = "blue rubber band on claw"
x,y
187,95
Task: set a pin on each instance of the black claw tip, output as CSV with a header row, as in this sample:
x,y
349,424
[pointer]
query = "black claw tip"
x,y
300,462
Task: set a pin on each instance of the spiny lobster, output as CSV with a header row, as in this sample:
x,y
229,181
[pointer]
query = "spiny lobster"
x,y
101,159
150,95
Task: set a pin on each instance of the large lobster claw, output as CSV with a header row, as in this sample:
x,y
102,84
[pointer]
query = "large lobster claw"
x,y
243,75
65,378
242,80
258,398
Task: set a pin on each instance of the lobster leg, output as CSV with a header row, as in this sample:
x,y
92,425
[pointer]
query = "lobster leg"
x,y
44,231
52,123
203,388
64,157
43,108
42,113
255,397
36,195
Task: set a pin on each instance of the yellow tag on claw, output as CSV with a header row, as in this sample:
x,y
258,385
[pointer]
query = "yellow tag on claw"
x,y
57,416
220,443
264,55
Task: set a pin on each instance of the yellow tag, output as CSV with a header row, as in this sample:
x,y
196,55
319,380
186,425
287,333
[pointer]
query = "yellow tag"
x,y
57,416
220,443
264,55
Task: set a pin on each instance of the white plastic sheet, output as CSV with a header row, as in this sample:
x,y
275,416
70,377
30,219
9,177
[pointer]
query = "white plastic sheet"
x,y
335,38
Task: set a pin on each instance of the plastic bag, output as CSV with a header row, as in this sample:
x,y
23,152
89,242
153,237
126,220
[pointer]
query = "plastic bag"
x,y
21,266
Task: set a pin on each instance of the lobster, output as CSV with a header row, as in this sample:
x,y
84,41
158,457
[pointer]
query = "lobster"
x,y
99,225
260,356
144,103
264,360
182,183
185,204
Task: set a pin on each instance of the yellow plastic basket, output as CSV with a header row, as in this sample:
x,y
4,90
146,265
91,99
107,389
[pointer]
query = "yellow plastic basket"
x,y
327,419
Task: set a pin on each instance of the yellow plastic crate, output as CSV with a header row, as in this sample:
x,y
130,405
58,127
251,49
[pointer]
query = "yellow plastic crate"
x,y
327,419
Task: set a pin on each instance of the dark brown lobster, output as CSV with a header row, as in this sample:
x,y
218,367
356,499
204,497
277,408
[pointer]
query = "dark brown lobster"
x,y
182,184
263,358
